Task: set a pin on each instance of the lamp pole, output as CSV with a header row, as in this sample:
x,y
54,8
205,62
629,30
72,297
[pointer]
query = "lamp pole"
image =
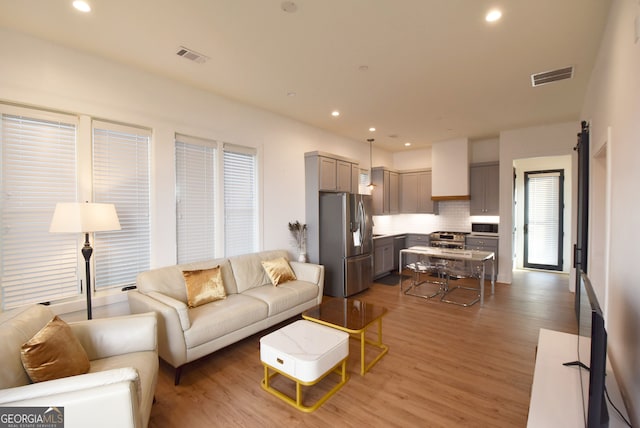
x,y
86,253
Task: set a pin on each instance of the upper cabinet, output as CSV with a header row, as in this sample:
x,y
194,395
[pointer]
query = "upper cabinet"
x,y
386,193
415,192
328,178
484,186
333,174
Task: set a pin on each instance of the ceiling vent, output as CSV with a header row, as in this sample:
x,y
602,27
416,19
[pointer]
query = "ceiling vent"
x,y
192,55
540,79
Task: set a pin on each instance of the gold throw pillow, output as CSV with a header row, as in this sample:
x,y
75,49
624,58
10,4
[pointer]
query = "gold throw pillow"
x,y
278,270
54,352
203,286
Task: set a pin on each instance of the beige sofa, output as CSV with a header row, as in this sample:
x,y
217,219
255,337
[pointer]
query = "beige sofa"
x,y
252,304
117,391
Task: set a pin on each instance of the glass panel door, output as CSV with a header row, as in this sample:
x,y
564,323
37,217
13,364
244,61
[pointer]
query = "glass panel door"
x,y
543,228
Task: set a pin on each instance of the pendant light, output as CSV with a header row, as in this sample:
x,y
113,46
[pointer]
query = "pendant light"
x,y
371,186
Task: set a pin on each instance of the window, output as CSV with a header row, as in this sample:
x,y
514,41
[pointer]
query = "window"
x,y
240,200
196,191
121,177
216,199
363,182
38,157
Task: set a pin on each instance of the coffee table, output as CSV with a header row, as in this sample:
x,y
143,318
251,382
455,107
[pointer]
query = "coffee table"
x,y
353,316
305,352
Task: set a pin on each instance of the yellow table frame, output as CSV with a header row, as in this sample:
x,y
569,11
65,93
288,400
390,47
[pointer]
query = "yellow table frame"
x,y
340,369
364,368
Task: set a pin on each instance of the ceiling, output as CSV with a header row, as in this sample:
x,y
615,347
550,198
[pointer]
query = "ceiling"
x,y
418,71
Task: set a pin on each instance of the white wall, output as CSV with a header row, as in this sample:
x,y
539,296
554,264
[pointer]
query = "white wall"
x,y
542,164
412,159
535,142
486,150
43,74
612,106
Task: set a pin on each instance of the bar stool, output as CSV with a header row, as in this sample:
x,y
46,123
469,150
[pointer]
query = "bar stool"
x,y
427,273
471,271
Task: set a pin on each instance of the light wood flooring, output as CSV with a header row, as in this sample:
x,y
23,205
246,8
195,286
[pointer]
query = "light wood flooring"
x,y
448,366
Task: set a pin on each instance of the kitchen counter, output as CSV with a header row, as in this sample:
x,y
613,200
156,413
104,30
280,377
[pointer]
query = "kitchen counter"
x,y
470,235
389,235
477,256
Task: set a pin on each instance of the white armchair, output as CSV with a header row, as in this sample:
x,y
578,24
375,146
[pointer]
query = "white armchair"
x,y
117,391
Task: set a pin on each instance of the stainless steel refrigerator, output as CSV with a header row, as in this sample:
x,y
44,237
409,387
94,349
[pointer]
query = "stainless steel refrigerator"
x,y
346,243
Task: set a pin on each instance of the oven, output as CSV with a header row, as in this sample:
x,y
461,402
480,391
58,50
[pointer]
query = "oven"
x,y
447,239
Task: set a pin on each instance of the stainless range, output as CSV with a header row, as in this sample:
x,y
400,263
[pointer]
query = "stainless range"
x,y
447,239
455,268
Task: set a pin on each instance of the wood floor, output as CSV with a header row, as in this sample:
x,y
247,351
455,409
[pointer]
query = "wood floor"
x,y
448,366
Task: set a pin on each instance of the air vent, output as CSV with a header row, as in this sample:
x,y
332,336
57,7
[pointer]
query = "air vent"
x,y
540,79
192,55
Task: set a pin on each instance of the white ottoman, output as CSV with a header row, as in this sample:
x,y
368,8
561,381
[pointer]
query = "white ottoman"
x,y
304,352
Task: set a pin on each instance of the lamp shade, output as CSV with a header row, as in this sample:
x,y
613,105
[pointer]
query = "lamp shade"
x,y
84,217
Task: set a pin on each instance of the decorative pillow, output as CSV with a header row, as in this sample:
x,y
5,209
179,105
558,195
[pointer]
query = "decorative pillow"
x,y
54,352
203,286
278,270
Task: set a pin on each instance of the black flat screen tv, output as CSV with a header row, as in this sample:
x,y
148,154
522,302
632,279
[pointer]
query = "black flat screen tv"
x,y
592,337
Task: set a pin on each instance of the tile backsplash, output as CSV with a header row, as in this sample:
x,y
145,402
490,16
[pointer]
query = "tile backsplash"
x,y
453,216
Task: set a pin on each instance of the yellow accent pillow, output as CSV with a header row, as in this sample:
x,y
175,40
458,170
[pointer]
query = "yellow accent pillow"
x,y
279,270
54,352
203,286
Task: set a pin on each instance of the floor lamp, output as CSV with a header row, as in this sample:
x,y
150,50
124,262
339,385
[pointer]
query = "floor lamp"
x,y
78,217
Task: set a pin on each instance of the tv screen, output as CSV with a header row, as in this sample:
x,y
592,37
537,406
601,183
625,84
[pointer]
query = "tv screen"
x,y
592,354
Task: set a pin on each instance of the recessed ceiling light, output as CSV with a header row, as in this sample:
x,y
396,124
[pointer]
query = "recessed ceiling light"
x,y
493,15
335,113
407,144
372,129
82,6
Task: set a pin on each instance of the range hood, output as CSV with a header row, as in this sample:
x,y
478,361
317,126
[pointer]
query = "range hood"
x,y
450,170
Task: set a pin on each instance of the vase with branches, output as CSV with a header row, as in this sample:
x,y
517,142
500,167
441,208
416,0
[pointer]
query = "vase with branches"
x,y
299,237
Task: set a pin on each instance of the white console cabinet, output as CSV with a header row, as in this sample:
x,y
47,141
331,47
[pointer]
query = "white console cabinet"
x,y
556,396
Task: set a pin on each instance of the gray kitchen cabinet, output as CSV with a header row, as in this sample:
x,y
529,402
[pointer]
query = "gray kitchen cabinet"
x,y
484,187
399,243
328,178
415,192
382,256
344,177
484,243
334,174
386,197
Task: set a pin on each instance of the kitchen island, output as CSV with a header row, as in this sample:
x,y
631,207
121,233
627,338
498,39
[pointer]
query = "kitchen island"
x,y
480,257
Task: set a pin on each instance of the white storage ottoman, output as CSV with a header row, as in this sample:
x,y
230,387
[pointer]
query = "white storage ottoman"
x,y
304,352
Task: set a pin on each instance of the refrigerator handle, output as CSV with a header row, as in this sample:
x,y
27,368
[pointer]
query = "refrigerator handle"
x,y
362,221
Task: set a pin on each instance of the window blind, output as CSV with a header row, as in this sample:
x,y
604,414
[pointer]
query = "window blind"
x,y
363,182
196,191
544,218
240,200
38,170
121,177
